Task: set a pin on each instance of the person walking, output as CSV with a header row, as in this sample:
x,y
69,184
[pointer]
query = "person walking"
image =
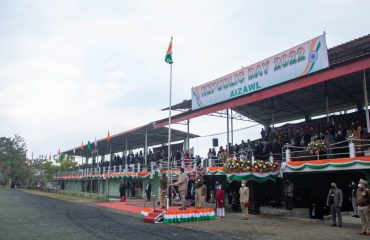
x,y
334,200
182,184
148,190
220,202
244,199
363,202
163,190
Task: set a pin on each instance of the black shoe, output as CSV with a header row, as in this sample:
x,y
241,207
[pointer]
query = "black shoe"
x,y
333,225
340,225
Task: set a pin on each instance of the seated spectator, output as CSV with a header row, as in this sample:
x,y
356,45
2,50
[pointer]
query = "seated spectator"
x,y
213,152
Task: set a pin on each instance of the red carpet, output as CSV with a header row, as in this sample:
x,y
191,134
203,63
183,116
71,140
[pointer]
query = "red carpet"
x,y
123,206
133,206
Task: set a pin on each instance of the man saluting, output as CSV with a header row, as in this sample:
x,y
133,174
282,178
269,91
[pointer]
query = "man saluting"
x,y
182,184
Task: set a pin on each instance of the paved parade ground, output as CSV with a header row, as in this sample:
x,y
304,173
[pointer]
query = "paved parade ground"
x,y
28,216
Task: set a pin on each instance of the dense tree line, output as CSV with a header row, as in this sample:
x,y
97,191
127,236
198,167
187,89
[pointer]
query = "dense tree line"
x,y
13,160
15,167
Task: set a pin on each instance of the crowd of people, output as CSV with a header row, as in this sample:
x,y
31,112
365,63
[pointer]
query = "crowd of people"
x,y
138,157
333,130
131,188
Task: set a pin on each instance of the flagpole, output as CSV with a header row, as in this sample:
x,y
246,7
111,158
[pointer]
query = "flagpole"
x,y
168,59
169,118
169,134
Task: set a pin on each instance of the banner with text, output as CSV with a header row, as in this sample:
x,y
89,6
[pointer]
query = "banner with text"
x,y
298,61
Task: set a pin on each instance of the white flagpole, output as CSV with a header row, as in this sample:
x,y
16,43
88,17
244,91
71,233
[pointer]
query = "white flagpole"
x,y
169,120
169,137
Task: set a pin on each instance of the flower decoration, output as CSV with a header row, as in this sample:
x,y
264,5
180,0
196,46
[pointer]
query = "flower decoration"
x,y
238,166
224,156
316,146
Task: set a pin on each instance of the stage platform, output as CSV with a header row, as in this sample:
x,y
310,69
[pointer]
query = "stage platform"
x,y
172,215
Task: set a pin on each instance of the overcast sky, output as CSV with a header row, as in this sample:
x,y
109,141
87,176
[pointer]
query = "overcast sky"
x,y
72,70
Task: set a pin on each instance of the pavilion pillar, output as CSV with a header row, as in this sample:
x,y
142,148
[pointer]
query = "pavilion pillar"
x,y
146,148
327,102
366,103
94,158
232,127
228,130
272,113
187,142
126,150
126,155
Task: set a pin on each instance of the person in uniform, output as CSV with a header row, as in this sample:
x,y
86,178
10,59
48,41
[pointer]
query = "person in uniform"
x,y
182,184
363,202
163,190
244,199
200,193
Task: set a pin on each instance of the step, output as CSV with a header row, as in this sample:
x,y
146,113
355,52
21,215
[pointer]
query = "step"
x,y
151,218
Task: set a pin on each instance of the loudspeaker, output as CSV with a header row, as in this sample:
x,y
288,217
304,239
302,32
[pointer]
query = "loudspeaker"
x,y
215,142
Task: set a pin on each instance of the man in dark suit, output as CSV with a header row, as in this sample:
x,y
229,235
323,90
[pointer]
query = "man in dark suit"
x,y
148,190
335,201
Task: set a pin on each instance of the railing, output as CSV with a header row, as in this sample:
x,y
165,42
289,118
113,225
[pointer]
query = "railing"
x,y
133,168
362,147
351,147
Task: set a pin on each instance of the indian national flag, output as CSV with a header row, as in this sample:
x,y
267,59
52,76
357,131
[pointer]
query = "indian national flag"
x,y
108,136
168,58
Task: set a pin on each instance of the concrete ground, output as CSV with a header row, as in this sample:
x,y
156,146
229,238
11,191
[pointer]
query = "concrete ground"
x,y
24,215
27,216
276,227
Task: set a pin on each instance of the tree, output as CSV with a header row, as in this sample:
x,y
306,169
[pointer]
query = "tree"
x,y
63,163
67,162
13,159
